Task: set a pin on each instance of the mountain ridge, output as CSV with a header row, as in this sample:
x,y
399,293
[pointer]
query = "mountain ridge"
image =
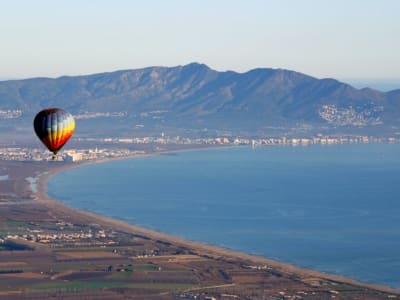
x,y
196,96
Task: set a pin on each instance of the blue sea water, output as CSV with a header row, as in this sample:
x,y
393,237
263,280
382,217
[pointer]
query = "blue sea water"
x,y
335,208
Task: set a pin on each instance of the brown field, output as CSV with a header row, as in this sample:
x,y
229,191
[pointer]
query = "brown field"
x,y
12,264
25,275
86,255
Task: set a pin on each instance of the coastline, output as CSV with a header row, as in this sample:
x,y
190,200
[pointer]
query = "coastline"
x,y
216,252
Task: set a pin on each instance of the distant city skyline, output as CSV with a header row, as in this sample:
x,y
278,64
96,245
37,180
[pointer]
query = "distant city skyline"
x,y
354,41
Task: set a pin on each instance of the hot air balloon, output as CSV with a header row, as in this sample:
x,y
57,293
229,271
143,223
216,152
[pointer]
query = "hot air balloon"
x,y
54,127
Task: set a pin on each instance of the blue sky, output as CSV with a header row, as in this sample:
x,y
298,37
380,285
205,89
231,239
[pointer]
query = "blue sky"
x,y
352,39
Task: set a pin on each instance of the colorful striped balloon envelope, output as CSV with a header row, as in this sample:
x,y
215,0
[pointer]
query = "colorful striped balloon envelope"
x,y
54,127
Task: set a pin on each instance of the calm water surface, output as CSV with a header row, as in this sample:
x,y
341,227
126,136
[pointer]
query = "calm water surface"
x,y
331,208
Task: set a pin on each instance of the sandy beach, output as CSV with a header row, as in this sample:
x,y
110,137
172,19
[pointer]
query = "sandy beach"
x,y
215,252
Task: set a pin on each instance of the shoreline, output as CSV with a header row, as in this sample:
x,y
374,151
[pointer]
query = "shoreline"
x,y
217,252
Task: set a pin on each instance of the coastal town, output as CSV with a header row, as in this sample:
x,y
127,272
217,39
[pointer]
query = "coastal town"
x,y
110,148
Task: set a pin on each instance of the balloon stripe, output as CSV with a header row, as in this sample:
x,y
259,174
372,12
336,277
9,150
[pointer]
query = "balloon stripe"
x,y
48,129
59,129
55,128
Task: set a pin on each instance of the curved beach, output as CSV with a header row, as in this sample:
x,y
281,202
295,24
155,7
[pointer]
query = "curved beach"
x,y
195,247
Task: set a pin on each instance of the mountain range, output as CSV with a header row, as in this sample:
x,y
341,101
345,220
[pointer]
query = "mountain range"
x,y
196,97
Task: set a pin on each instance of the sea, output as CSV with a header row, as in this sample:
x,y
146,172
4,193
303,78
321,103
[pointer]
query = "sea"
x,y
331,208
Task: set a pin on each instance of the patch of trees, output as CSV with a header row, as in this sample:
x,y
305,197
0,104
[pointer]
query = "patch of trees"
x,y
11,245
10,271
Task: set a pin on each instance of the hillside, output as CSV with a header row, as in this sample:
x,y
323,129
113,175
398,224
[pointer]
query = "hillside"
x,y
195,97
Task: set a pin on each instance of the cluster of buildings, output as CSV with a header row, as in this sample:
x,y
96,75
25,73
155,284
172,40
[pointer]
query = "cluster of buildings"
x,y
350,115
165,140
96,154
201,296
34,154
73,155
93,115
41,237
10,114
322,140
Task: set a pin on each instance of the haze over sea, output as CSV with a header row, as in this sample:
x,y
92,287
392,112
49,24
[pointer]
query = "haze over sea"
x,y
335,208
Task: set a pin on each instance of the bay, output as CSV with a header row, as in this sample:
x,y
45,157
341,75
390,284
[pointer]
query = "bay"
x,y
332,208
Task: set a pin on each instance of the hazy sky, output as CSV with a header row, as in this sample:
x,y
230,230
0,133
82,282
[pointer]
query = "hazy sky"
x,y
324,38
